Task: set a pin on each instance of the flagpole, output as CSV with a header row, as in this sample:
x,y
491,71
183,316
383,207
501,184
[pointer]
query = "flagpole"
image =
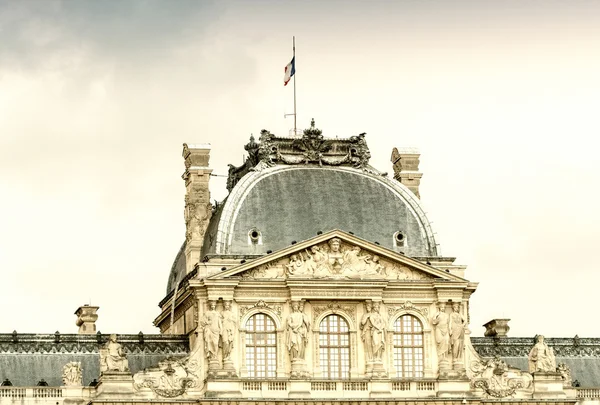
x,y
294,50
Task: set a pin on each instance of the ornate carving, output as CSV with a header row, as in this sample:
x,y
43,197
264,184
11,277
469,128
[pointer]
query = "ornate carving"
x,y
171,379
541,357
112,356
408,305
497,379
72,374
312,148
197,216
260,304
520,347
333,259
565,373
334,307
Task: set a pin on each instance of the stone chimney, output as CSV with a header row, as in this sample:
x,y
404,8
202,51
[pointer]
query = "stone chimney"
x,y
497,328
198,208
86,319
406,168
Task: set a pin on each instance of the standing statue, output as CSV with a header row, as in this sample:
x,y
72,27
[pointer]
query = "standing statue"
x,y
212,325
457,334
307,323
541,357
377,333
228,330
442,337
296,333
72,374
112,356
365,326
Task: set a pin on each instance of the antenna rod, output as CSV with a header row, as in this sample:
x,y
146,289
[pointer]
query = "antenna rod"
x,y
294,50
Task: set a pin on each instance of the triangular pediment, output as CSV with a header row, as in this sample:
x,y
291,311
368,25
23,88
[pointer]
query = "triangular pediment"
x,y
336,255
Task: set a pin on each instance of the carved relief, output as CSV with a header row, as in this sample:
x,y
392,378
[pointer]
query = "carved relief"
x,y
171,379
497,379
333,259
197,215
408,305
260,304
565,373
72,374
334,307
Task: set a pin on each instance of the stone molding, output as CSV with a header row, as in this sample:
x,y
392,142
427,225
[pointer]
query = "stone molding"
x,y
75,343
520,347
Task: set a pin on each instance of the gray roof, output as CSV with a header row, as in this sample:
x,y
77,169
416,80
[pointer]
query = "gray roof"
x,y
582,355
25,359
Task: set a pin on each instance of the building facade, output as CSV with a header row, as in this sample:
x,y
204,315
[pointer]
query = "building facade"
x,y
318,278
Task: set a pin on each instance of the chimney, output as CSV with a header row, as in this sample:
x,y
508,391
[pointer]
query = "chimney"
x,y
86,319
406,168
198,209
497,328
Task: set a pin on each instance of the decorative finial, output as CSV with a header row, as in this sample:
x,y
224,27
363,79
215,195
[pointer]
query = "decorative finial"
x,y
312,122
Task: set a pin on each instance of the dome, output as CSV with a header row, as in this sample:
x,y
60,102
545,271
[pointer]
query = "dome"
x,y
292,189
270,209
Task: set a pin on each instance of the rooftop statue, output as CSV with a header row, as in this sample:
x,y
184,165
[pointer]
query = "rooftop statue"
x,y
541,357
112,357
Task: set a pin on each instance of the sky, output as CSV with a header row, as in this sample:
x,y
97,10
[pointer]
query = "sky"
x,y
97,98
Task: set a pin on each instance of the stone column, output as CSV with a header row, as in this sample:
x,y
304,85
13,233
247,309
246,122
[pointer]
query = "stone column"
x,y
198,209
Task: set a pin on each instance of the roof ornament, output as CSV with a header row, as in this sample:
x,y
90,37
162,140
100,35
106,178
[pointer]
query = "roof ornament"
x,y
312,148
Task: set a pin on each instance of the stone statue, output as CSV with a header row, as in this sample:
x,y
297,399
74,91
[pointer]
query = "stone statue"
x,y
72,374
212,326
307,323
377,332
442,337
365,326
228,330
457,333
113,356
317,263
336,257
296,333
541,357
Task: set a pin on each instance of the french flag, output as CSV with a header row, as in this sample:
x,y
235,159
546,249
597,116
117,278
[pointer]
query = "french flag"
x,y
289,71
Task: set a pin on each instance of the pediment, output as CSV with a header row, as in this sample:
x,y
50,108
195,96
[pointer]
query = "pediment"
x,y
336,255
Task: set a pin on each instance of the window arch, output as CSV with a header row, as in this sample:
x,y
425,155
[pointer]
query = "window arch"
x,y
334,347
408,347
261,346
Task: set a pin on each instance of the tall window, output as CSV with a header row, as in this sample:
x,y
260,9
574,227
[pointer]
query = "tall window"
x,y
408,347
334,347
261,346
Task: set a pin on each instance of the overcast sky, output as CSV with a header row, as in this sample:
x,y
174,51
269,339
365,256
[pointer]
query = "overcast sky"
x,y
96,98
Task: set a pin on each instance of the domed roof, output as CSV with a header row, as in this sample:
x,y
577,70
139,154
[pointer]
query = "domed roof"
x,y
291,189
271,208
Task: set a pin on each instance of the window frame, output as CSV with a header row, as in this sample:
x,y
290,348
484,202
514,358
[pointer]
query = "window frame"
x,y
253,345
337,340
408,347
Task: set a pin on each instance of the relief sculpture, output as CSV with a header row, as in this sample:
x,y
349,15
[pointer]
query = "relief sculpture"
x,y
334,259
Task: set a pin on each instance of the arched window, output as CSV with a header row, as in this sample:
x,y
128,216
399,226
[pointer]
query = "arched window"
x,y
261,346
334,347
408,347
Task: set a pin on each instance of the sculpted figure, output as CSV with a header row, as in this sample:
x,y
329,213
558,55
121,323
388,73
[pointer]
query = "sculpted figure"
x,y
457,332
307,323
296,266
377,332
115,359
317,262
541,357
296,333
336,258
72,374
442,337
228,330
365,326
212,326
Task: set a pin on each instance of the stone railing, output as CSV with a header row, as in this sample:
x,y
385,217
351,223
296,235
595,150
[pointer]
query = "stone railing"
x,y
21,393
339,388
588,393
